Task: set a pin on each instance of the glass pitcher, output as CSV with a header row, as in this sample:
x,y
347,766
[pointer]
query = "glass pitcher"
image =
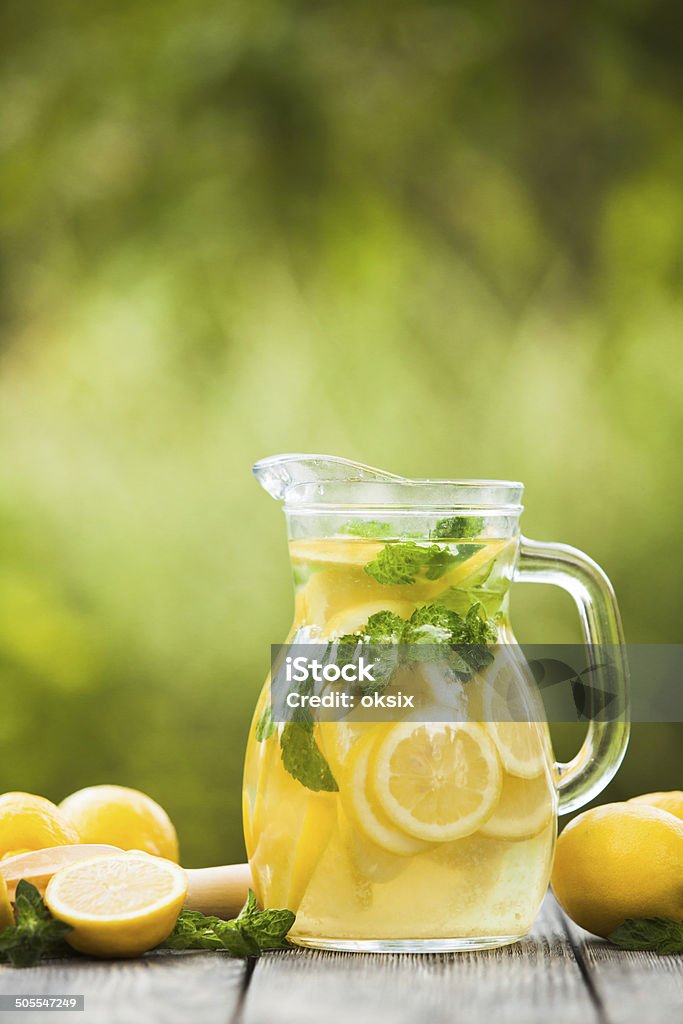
x,y
403,834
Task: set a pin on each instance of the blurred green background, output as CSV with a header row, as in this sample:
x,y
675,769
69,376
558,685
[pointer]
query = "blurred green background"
x,y
440,238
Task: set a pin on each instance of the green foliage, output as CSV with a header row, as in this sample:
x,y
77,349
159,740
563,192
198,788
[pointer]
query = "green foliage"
x,y
439,238
253,932
35,934
656,934
401,563
457,527
302,758
265,727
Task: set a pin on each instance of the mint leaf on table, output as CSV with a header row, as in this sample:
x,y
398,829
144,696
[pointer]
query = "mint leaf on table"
x,y
654,934
265,727
371,528
457,527
36,932
302,758
251,933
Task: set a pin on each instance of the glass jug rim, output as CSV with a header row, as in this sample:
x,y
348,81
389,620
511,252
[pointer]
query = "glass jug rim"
x,y
405,495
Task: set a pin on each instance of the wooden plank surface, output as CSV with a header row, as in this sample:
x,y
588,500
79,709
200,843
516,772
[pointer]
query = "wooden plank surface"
x,y
162,988
558,975
630,988
536,981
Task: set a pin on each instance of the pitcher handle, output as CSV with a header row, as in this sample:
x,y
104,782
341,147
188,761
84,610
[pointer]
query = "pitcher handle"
x,y
603,750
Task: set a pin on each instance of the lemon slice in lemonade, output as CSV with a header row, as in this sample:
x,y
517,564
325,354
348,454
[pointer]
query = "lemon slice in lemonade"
x,y
512,710
362,807
349,552
524,809
521,747
437,781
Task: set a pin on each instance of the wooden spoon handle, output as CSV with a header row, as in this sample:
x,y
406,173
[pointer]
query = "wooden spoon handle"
x,y
221,891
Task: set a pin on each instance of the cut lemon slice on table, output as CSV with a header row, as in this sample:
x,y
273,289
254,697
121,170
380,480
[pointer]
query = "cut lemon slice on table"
x,y
118,906
363,809
524,809
437,781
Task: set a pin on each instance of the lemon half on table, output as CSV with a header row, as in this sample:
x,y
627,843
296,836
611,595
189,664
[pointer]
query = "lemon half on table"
x,y
118,906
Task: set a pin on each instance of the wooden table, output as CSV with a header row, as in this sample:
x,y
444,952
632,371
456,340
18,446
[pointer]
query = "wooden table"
x,y
558,975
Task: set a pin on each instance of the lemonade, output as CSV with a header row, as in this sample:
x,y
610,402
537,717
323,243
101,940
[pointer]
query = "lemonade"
x,y
380,834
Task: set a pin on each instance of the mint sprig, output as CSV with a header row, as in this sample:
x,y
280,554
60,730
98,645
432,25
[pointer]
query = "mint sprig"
x,y
457,527
251,933
461,641
653,934
302,758
35,934
401,563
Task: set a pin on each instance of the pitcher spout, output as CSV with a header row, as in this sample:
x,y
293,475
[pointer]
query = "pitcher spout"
x,y
277,474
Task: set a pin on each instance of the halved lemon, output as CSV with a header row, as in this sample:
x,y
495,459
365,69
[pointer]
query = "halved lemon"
x,y
118,906
437,781
524,809
363,809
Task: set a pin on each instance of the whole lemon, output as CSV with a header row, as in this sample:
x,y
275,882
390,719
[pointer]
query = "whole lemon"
x,y
671,801
121,817
30,822
618,861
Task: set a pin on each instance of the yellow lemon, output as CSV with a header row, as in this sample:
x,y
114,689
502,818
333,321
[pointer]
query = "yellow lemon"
x,y
118,906
363,809
121,817
347,551
671,801
437,781
524,809
6,915
618,861
30,822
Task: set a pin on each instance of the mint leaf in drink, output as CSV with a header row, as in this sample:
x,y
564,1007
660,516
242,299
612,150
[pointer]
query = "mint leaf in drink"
x,y
401,563
458,527
431,624
442,633
371,528
35,934
302,757
251,933
655,934
384,628
265,727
